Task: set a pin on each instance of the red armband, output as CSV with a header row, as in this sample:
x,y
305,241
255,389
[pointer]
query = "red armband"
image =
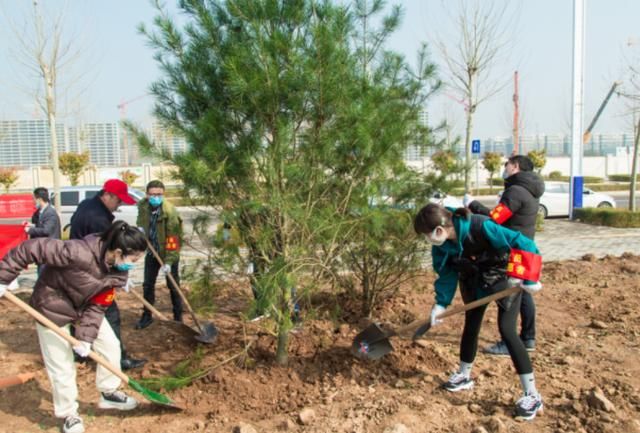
x,y
172,244
500,213
104,298
524,265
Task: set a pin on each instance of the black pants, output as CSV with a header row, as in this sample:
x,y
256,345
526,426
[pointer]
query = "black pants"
x,y
151,269
528,317
507,320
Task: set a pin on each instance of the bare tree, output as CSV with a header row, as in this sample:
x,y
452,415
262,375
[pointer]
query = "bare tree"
x,y
44,50
630,90
482,37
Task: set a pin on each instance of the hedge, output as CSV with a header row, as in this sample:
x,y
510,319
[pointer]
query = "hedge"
x,y
622,218
622,177
586,179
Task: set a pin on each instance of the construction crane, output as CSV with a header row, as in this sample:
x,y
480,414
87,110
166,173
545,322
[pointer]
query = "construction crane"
x,y
587,134
122,106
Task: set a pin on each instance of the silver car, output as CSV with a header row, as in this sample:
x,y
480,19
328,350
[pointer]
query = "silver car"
x,y
71,196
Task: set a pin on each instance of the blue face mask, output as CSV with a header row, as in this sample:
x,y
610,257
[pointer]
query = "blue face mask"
x,y
155,201
38,205
124,267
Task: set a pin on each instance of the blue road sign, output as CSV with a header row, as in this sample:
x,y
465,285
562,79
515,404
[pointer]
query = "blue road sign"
x,y
475,146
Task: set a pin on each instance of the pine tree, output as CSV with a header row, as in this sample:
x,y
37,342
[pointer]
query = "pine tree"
x,y
291,126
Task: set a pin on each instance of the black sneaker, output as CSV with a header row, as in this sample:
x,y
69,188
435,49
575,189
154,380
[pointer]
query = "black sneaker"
x,y
530,345
144,321
528,406
498,349
116,400
458,382
73,424
131,363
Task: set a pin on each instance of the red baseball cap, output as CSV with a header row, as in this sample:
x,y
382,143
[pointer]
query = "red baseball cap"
x,y
119,189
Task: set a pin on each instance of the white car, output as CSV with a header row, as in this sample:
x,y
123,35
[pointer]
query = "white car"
x,y
446,200
555,200
71,196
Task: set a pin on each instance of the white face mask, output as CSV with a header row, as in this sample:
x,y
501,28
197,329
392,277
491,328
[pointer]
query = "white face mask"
x,y
505,174
438,236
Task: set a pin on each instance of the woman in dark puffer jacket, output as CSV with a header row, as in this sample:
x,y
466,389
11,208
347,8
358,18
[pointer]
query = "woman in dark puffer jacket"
x,y
76,285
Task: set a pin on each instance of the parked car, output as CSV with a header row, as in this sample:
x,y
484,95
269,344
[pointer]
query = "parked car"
x,y
555,200
71,196
446,200
437,197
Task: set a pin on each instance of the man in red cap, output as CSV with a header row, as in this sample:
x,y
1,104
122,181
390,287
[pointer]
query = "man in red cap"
x,y
95,215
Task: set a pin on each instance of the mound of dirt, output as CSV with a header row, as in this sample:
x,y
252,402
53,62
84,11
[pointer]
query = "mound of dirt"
x,y
589,375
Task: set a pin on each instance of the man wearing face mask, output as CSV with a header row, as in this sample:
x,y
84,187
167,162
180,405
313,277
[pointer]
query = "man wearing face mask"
x,y
45,222
163,226
95,215
517,210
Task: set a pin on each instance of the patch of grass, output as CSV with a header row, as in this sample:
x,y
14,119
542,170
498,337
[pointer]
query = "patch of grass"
x,y
183,375
621,218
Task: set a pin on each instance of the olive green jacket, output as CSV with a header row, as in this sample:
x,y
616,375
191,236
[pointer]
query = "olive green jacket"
x,y
169,229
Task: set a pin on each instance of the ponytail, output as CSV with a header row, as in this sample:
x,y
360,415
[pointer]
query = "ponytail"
x,y
122,236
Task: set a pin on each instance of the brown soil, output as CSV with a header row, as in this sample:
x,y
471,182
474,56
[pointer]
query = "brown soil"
x,y
588,325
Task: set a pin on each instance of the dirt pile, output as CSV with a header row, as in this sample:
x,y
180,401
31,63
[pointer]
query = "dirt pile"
x,y
586,366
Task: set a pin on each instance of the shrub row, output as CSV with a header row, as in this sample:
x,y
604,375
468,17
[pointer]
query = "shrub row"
x,y
608,217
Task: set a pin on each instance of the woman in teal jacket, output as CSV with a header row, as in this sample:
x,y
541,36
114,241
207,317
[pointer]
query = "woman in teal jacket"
x,y
483,257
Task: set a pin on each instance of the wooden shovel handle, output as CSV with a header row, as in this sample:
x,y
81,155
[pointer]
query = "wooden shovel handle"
x,y
148,305
176,286
16,379
462,308
55,328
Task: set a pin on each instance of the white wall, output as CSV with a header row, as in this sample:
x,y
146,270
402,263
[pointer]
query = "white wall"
x,y
599,166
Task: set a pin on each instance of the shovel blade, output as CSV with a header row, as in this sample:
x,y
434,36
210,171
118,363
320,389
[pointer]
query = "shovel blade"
x,y
152,396
421,331
372,343
209,333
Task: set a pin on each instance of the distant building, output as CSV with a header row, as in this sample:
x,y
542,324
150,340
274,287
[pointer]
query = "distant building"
x,y
26,143
167,139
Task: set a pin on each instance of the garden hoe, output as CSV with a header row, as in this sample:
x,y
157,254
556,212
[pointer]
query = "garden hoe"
x,y
373,343
152,396
207,330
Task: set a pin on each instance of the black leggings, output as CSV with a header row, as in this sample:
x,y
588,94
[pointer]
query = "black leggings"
x,y
507,319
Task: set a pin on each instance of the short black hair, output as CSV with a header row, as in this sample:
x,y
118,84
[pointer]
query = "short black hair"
x,y
524,162
42,193
155,184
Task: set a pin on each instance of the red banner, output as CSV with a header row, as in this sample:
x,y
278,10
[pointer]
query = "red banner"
x,y
11,236
16,206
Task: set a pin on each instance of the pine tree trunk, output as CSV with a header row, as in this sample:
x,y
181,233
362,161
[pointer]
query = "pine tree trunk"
x,y
282,352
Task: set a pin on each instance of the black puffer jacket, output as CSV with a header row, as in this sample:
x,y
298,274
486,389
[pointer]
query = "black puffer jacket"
x,y
522,192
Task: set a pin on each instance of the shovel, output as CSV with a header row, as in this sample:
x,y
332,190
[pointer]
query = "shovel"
x,y
207,330
373,343
152,396
148,306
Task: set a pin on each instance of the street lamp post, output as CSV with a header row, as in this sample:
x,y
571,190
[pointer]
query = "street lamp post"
x,y
577,180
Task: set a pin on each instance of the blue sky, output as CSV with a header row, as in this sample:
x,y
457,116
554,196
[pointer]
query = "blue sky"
x,y
119,66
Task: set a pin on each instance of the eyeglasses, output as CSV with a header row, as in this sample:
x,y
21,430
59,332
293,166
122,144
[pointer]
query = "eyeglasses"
x,y
156,195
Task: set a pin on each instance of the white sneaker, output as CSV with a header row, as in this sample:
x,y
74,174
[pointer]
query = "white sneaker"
x,y
73,424
116,400
458,382
528,406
